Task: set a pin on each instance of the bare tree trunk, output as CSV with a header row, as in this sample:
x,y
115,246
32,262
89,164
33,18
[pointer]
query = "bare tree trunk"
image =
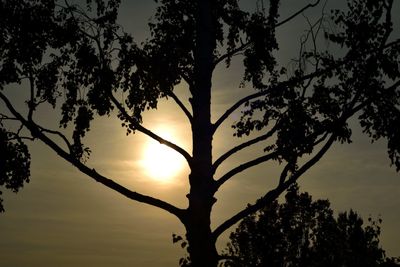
x,y
201,248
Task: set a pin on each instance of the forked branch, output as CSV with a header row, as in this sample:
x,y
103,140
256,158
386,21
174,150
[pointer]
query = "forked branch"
x,y
274,193
298,13
245,166
149,133
61,135
181,105
231,53
291,82
266,90
233,108
236,149
38,133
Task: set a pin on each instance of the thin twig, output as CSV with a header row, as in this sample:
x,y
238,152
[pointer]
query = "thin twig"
x,y
62,136
298,13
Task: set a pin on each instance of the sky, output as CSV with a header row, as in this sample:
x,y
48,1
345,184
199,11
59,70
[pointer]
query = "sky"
x,y
63,218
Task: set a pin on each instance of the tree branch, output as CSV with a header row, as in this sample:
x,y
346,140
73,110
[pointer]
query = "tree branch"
x,y
18,136
230,53
306,166
149,133
181,105
269,197
289,82
229,111
394,85
283,183
242,146
243,46
393,43
31,101
289,166
243,167
73,9
298,13
62,136
274,193
37,133
5,117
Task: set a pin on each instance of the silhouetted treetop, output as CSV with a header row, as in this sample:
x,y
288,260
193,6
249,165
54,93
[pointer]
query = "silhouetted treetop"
x,y
305,232
79,61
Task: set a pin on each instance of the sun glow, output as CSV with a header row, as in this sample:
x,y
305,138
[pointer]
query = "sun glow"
x,y
161,162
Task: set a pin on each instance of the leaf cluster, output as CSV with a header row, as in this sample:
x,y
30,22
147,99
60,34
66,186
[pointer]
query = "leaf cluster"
x,y
305,232
15,162
314,102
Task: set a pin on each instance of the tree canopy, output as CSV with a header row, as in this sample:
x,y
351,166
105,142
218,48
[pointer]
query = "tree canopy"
x,y
79,60
305,232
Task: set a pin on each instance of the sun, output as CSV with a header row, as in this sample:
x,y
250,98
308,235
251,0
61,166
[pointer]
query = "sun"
x,y
161,162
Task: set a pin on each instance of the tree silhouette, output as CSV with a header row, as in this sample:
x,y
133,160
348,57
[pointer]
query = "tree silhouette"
x,y
78,59
303,232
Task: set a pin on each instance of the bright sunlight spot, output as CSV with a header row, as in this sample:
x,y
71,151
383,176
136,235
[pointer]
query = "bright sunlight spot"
x,y
161,162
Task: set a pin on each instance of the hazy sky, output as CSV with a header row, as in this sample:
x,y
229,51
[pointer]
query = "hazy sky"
x,y
63,218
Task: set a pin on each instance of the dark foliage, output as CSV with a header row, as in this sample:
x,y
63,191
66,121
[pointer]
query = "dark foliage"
x,y
79,61
305,232
14,162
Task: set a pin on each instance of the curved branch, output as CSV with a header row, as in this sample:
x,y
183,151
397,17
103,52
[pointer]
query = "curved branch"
x,y
393,43
236,149
288,167
17,136
149,133
306,166
62,136
269,197
298,13
289,82
243,46
181,105
388,23
229,111
243,167
37,133
274,193
231,53
5,117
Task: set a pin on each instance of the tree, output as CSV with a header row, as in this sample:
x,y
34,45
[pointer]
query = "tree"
x,y
303,232
78,59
